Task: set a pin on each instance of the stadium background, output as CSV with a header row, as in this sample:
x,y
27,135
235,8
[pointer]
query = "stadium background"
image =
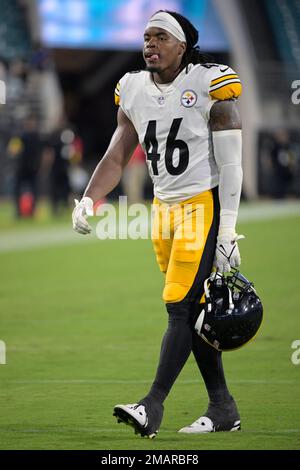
x,y
81,326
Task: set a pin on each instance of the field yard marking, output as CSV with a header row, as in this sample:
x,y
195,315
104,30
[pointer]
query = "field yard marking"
x,y
120,382
19,240
122,429
268,210
38,238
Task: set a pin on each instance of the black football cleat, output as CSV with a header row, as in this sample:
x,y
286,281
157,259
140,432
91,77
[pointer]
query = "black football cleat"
x,y
218,418
145,421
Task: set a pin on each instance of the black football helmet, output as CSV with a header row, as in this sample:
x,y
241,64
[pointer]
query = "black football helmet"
x,y
232,312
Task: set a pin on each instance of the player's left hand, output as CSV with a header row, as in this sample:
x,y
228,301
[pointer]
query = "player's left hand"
x,y
82,210
227,253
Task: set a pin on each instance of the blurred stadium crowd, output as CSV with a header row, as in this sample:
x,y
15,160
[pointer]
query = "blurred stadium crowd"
x,y
56,102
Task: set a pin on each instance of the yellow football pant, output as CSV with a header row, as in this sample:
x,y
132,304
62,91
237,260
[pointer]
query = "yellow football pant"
x,y
184,239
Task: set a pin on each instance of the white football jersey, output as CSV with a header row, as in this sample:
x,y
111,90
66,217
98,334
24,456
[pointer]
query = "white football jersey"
x,y
172,125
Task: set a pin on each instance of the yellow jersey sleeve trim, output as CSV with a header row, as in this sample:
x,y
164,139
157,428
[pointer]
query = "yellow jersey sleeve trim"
x,y
117,94
117,100
224,83
226,92
223,78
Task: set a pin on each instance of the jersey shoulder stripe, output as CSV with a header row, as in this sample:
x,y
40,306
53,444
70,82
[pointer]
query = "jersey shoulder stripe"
x,y
117,94
224,83
227,91
224,77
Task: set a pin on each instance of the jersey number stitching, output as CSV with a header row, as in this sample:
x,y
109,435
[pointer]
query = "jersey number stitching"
x,y
151,145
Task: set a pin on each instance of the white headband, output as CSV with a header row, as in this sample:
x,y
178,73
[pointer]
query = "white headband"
x,y
166,21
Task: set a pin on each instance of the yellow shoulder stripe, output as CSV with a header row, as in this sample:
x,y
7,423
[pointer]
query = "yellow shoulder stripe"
x,y
226,92
117,99
117,94
223,78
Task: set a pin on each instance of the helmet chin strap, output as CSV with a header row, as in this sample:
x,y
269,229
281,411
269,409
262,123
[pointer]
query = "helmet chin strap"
x,y
231,304
208,299
207,294
199,322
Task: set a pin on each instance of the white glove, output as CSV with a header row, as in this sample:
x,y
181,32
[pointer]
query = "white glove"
x,y
227,253
82,210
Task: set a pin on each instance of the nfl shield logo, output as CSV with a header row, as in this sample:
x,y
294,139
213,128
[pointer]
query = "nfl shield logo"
x,y
161,100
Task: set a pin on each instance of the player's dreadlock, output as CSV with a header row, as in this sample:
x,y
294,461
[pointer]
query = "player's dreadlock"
x,y
192,54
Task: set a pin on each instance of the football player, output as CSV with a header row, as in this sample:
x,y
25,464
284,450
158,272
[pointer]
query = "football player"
x,y
183,112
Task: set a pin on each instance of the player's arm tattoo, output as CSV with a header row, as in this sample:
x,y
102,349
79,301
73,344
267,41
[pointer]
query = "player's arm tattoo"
x,y
225,115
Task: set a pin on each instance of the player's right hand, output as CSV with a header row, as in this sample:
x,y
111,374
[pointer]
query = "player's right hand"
x,y
81,212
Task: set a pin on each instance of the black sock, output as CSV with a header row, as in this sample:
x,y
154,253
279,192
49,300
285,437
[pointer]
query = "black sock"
x,y
209,361
175,350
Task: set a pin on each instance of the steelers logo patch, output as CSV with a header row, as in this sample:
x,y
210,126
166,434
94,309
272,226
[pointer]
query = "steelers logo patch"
x,y
188,98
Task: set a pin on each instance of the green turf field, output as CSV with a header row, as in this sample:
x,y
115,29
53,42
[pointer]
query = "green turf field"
x,y
83,323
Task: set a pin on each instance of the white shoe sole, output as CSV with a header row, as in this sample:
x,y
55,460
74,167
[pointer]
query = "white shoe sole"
x,y
198,430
